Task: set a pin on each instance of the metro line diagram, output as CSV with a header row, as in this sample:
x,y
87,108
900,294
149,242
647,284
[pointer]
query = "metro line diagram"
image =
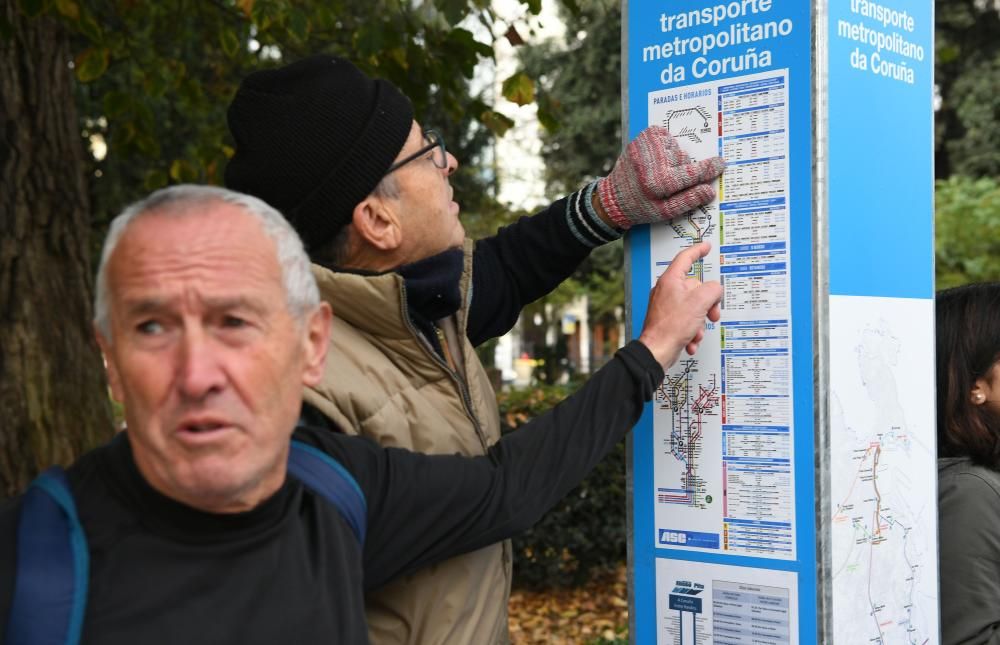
x,y
689,397
689,230
696,225
691,123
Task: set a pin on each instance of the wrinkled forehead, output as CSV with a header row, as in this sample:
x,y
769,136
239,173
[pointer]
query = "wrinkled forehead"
x,y
213,247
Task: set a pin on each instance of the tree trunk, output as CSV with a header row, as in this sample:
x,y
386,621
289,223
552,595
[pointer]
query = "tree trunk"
x,y
53,398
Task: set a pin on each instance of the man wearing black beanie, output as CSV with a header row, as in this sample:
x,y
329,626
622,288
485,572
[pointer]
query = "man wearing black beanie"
x,y
341,156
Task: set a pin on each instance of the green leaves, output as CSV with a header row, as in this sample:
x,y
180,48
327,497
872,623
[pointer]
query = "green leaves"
x,y
454,10
549,112
88,26
577,95
230,42
496,122
534,6
183,171
966,77
91,64
115,103
158,77
463,52
31,8
967,231
947,53
298,25
246,6
975,152
68,8
519,89
155,179
369,39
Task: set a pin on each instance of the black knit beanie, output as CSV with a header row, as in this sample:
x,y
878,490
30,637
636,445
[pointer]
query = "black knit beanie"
x,y
313,139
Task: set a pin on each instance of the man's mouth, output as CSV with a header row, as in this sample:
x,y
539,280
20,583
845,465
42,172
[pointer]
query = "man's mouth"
x,y
202,427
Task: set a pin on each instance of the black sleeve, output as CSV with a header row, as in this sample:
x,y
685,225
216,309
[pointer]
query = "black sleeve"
x,y
528,259
426,508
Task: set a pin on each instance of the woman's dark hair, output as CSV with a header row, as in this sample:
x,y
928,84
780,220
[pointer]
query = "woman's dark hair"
x,y
968,344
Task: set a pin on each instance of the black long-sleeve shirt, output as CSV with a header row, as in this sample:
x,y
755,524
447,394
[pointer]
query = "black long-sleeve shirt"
x,y
291,570
528,259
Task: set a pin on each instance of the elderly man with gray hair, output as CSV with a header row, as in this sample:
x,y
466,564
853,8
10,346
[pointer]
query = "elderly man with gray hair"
x,y
214,519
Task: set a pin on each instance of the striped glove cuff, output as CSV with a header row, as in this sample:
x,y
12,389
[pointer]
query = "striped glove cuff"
x,y
584,222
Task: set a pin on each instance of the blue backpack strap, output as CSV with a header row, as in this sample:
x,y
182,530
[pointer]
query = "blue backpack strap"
x,y
325,476
50,588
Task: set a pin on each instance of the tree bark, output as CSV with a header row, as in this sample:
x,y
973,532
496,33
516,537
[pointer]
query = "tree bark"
x,y
53,397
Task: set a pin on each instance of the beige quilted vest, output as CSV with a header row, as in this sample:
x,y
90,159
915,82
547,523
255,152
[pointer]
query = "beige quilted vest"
x,y
384,381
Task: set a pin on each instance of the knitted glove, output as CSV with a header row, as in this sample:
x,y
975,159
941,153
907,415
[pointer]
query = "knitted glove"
x,y
654,180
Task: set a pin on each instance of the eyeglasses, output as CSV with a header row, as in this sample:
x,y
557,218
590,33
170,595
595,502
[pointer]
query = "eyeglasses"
x,y
435,143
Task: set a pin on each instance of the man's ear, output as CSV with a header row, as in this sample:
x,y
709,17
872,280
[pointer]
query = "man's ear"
x,y
114,378
377,224
317,342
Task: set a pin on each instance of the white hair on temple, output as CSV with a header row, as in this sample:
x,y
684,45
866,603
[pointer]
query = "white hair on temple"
x,y
300,286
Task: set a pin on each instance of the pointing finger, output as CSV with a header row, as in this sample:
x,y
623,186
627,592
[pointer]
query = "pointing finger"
x,y
683,261
709,295
715,313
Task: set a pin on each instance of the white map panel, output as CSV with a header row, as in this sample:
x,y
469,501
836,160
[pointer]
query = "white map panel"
x,y
883,470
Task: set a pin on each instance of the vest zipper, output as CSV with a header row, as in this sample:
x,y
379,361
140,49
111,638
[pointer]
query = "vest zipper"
x,y
506,547
452,363
462,389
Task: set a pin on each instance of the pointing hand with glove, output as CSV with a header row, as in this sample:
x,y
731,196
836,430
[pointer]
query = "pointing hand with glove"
x,y
655,181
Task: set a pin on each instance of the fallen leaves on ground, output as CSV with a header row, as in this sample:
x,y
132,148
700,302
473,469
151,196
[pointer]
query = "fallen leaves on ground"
x,y
594,613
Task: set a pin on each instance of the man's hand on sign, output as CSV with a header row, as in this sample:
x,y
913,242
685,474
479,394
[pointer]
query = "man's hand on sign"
x,y
654,181
679,304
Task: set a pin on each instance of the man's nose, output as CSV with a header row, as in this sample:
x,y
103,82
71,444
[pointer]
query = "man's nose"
x,y
201,372
452,164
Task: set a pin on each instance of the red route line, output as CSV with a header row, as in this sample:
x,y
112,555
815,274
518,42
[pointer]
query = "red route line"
x,y
857,474
878,495
703,397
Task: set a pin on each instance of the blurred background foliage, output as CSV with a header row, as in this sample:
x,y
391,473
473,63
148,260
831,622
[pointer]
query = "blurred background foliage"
x,y
967,141
155,78
967,233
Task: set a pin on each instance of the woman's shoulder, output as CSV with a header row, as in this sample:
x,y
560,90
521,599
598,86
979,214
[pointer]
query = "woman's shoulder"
x,y
955,466
962,474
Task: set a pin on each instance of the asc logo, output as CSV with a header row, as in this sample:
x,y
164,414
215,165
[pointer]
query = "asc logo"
x,y
672,537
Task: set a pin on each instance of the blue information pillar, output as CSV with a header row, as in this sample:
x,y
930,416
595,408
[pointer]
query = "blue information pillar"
x,y
783,476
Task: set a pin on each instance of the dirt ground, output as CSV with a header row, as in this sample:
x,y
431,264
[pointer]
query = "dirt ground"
x,y
590,615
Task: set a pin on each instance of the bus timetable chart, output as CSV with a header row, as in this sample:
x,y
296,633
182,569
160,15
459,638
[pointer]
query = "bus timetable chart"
x,y
723,467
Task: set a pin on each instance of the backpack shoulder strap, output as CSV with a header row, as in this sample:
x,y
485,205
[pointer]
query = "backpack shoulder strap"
x,y
50,587
325,476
